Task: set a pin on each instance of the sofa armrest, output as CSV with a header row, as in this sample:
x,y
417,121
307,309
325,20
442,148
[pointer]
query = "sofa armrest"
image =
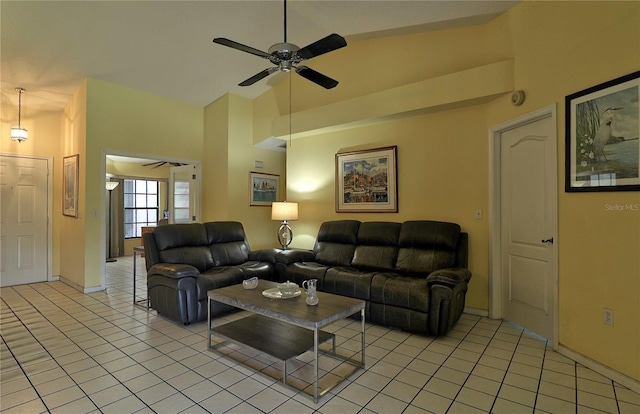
x,y
287,257
264,255
447,290
449,276
172,270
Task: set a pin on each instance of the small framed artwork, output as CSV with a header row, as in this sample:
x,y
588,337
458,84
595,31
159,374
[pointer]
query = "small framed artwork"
x,y
263,188
602,129
366,181
70,183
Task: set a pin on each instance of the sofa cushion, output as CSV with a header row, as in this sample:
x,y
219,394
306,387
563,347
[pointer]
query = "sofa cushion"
x,y
336,242
426,246
228,243
301,271
348,281
377,247
180,235
218,277
401,291
197,256
261,270
183,243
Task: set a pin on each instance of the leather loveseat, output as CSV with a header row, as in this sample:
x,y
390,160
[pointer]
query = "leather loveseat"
x,y
413,275
185,261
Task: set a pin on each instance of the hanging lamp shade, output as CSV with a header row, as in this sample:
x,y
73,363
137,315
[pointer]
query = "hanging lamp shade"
x,y
17,132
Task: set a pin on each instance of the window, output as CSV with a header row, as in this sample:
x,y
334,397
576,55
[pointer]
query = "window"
x,y
140,206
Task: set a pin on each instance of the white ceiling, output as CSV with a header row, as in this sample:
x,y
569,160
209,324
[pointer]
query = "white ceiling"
x,y
165,47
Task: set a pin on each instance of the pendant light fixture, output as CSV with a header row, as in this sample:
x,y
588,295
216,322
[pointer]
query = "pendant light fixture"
x,y
17,132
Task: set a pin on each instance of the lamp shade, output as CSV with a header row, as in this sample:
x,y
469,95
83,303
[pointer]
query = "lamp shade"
x,y
283,211
111,185
19,134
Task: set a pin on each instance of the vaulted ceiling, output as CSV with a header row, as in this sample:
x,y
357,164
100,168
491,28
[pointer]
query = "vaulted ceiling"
x,y
166,48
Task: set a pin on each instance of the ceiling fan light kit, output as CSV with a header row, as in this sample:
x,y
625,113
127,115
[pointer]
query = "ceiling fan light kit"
x,y
17,132
287,56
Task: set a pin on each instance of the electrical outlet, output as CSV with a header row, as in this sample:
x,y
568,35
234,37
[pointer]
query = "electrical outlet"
x,y
608,316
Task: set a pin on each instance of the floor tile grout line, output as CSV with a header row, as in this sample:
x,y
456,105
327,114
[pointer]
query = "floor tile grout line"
x,y
82,350
109,372
506,371
544,359
16,359
460,340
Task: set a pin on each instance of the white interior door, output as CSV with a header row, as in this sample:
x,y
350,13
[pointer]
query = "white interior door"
x,y
23,220
528,225
184,194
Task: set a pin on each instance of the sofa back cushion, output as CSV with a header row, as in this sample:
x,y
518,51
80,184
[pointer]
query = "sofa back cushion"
x,y
336,242
426,246
227,242
377,247
183,243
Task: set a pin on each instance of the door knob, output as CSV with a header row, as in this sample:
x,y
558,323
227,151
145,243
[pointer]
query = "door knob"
x,y
550,241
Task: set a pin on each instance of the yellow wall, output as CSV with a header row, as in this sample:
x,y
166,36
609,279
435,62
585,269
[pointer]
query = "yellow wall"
x,y
443,153
557,52
121,120
231,157
72,237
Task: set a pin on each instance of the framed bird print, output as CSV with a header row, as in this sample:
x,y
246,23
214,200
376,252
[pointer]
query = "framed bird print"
x,y
602,131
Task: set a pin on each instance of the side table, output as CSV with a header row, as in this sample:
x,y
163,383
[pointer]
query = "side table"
x,y
138,302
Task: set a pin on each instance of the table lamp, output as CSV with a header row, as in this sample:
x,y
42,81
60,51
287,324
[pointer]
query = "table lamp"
x,y
285,212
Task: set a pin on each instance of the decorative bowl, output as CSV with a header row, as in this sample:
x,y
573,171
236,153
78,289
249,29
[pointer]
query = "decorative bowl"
x,y
250,283
288,288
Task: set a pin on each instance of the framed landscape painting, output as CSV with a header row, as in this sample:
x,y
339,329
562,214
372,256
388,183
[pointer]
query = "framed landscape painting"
x,y
602,129
366,181
263,189
70,183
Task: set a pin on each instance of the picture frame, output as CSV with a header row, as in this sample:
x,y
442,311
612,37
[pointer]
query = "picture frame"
x,y
264,189
602,136
70,177
367,181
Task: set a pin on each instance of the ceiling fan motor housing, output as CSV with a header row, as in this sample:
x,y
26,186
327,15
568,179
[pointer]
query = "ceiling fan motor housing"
x,y
284,55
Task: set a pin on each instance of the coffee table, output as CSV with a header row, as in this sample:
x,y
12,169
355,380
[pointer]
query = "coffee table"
x,y
285,328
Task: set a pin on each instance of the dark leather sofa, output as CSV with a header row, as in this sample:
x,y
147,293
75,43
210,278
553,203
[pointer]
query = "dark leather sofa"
x,y
185,261
413,275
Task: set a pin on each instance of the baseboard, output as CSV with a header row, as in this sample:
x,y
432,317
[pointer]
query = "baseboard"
x,y
476,312
79,288
610,373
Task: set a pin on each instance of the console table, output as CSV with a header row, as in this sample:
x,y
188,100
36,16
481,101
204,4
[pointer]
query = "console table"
x,y
144,302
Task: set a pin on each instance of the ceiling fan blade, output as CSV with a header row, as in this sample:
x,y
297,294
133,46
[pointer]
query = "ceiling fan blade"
x,y
260,75
239,46
322,46
316,77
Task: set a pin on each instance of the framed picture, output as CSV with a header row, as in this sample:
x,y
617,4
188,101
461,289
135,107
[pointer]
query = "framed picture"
x,y
70,183
602,130
263,189
366,181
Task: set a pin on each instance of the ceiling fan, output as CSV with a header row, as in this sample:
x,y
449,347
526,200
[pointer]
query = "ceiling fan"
x,y
157,164
287,56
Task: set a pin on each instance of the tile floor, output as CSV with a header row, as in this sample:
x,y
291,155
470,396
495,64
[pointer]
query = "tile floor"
x,y
67,352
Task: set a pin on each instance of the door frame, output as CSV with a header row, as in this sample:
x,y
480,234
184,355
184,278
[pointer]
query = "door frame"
x,y
103,199
49,160
495,242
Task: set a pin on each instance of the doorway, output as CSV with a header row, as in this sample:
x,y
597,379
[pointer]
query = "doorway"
x,y
523,232
25,228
